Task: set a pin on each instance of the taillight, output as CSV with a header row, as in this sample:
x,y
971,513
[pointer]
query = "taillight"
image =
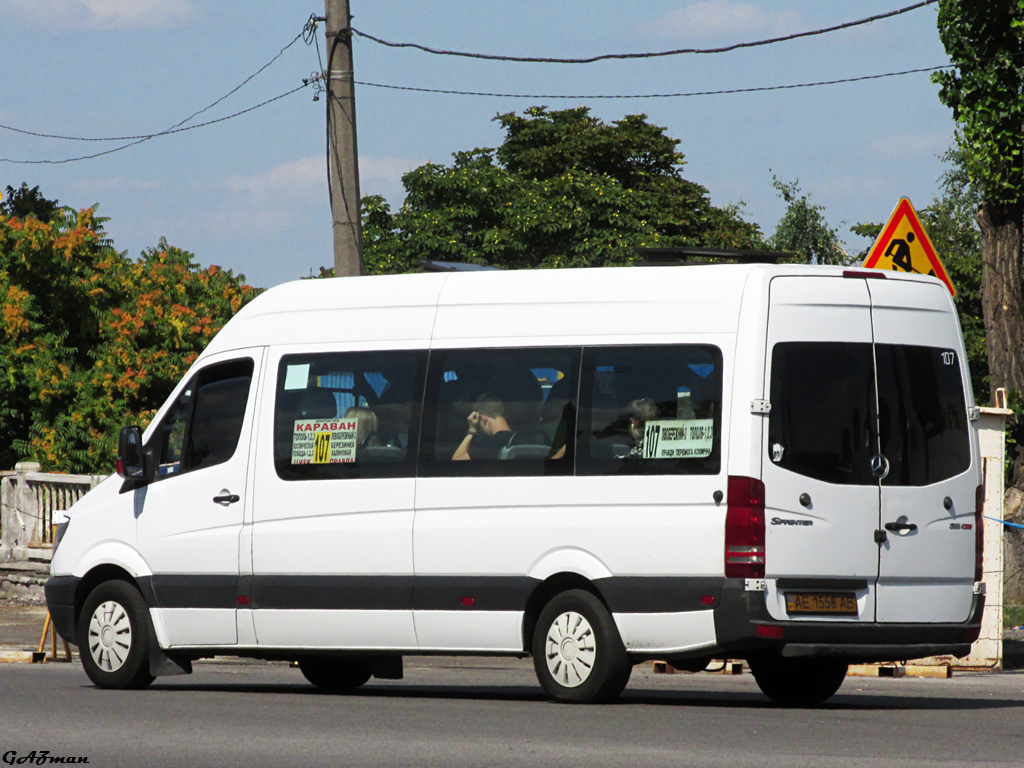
x,y
979,533
744,529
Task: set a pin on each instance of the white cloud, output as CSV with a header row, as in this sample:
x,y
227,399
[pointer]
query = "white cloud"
x,y
911,145
383,176
99,185
717,19
286,181
269,203
104,14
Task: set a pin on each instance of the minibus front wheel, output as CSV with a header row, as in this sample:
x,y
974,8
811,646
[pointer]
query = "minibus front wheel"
x,y
577,651
336,674
114,636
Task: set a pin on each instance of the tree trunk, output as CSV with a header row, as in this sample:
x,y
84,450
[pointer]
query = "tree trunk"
x,y
1002,301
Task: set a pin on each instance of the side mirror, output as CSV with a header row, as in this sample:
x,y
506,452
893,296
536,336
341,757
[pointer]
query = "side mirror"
x,y
131,463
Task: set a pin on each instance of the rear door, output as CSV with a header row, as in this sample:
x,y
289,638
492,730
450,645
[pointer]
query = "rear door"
x,y
926,563
821,499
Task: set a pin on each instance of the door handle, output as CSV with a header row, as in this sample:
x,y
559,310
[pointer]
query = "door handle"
x,y
897,527
226,498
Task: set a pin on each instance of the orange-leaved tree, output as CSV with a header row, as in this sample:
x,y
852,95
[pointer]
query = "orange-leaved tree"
x,y
92,339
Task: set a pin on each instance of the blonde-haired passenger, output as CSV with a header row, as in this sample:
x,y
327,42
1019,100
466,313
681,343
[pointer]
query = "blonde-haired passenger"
x,y
366,424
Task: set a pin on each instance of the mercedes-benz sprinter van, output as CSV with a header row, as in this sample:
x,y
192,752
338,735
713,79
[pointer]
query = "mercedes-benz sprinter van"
x,y
590,467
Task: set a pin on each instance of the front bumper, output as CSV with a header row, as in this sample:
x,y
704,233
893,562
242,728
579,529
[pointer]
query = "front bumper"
x,y
741,614
60,601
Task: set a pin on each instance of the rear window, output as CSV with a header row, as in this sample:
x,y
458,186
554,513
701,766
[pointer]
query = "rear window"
x,y
922,414
821,422
825,423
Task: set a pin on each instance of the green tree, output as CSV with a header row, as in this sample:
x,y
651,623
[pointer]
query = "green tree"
x,y
23,202
563,189
985,41
92,339
952,226
803,230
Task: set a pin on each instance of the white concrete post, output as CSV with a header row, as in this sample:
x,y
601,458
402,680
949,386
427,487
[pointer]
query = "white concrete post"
x,y
988,650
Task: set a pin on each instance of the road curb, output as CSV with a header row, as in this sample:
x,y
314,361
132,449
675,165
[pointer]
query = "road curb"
x,y
15,657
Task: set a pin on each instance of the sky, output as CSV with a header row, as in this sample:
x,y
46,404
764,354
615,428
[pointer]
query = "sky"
x,y
250,193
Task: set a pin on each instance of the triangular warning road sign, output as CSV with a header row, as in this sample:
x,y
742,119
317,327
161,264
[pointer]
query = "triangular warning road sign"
x,y
904,246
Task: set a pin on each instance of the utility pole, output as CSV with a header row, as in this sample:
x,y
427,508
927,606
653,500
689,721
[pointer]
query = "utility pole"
x,y
341,141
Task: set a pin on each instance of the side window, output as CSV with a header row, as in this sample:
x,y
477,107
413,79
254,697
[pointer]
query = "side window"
x,y
202,427
651,410
348,414
821,422
168,443
500,412
922,414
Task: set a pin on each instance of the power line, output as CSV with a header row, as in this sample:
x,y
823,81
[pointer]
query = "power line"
x,y
311,81
658,95
649,55
250,77
177,127
147,137
173,127
308,35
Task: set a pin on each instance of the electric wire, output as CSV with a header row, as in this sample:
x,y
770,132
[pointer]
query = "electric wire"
x,y
176,128
308,34
168,132
647,55
311,37
159,133
686,94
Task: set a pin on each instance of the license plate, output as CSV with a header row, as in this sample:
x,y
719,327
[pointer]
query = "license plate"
x,y
841,603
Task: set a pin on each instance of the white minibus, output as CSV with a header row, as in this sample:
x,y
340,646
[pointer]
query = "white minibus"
x,y
591,467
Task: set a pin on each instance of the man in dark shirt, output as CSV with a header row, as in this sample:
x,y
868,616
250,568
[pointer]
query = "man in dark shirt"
x,y
487,431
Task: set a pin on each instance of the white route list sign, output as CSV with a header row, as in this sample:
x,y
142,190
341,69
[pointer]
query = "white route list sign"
x,y
324,441
678,438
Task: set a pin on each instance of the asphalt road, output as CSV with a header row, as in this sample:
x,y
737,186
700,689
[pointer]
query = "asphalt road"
x,y
486,712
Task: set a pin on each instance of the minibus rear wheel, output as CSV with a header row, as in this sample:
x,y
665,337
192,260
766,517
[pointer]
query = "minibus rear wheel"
x,y
113,636
336,674
797,682
577,651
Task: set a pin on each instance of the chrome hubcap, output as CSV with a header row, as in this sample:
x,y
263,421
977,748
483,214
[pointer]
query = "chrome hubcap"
x,y
110,636
570,651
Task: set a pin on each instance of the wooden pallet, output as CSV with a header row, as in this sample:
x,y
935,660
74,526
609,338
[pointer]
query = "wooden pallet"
x,y
941,671
728,668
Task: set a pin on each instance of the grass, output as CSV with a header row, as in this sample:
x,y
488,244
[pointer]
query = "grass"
x,y
1013,616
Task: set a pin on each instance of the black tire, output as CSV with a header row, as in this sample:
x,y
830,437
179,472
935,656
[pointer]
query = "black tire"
x,y
798,682
113,637
336,674
577,651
